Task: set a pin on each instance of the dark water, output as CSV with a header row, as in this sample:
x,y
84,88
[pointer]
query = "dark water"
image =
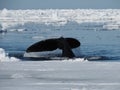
x,y
94,43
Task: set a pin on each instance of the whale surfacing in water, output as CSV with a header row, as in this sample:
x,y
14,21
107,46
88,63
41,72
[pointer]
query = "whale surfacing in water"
x,y
65,44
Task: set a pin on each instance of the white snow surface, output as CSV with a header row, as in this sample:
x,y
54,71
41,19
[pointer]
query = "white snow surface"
x,y
107,18
59,75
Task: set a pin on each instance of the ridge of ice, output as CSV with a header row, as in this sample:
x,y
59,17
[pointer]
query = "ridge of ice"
x,y
109,17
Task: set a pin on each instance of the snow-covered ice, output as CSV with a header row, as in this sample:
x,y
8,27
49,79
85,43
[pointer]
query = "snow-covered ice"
x,y
99,18
59,75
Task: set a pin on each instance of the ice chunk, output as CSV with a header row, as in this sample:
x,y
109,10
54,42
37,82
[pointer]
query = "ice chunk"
x,y
4,56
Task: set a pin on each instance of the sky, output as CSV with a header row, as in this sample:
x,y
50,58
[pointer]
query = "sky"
x,y
60,4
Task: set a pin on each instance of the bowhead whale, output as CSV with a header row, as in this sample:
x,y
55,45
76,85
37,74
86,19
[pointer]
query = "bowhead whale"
x,y
65,44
